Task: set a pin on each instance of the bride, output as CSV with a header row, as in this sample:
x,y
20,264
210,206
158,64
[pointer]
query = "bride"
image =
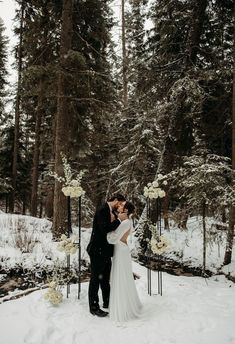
x,y
124,301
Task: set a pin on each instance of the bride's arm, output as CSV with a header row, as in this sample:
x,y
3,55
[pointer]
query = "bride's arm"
x,y
114,236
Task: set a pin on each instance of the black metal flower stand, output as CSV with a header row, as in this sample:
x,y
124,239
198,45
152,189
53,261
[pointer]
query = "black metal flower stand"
x,y
149,252
79,244
159,229
69,232
149,271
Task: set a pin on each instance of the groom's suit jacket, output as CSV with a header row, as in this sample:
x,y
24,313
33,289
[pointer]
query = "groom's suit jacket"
x,y
102,225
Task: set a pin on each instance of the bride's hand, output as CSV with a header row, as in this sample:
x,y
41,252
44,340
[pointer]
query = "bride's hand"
x,y
122,216
112,217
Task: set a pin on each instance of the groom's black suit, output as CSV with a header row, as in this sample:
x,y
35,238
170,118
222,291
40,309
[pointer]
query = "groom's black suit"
x,y
100,252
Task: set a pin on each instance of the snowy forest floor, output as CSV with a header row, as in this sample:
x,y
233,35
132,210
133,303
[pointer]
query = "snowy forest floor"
x,y
191,310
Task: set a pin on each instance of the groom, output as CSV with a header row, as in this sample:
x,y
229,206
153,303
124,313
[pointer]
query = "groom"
x,y
100,252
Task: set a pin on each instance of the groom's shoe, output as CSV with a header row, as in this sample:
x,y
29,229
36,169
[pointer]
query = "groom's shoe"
x,y
99,312
105,305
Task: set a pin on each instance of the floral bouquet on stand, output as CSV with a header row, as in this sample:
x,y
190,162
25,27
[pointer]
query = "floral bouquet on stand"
x,y
71,188
67,245
158,243
71,185
155,189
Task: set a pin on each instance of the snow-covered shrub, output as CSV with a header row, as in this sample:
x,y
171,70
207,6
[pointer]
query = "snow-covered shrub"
x,y
24,238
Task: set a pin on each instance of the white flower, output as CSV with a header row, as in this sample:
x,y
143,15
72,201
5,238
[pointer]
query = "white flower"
x,y
155,184
153,191
67,245
164,182
146,194
159,246
160,176
65,191
73,191
63,237
74,182
52,284
73,250
162,193
54,296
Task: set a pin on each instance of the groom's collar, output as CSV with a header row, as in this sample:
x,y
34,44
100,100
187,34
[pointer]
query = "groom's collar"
x,y
110,207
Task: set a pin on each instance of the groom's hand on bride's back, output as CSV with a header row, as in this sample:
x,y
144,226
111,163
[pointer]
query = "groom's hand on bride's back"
x,y
122,216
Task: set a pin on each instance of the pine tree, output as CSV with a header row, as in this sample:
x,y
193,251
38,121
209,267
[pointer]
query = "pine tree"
x,y
230,234
5,178
3,70
17,111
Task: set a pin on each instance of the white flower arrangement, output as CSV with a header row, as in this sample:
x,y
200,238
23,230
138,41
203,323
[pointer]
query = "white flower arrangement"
x,y
71,186
154,190
160,245
67,245
72,190
54,295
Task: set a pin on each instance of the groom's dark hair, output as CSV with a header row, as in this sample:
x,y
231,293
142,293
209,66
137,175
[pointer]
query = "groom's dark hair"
x,y
117,196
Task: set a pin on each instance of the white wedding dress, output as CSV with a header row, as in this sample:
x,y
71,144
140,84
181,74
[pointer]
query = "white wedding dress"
x,y
124,303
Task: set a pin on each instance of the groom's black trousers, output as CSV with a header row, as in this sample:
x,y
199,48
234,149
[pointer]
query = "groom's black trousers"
x,y
100,274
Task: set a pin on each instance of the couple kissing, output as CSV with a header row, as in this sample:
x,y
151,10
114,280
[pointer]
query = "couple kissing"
x,y
112,224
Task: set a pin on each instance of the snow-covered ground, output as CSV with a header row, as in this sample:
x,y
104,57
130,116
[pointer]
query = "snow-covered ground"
x,y
192,310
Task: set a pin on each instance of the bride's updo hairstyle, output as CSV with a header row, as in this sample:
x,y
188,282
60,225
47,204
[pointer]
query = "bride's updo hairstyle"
x,y
130,207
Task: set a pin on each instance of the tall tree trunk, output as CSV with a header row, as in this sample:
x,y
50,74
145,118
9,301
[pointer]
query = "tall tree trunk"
x,y
196,29
230,234
7,201
40,208
62,121
124,57
24,205
49,202
17,115
39,114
